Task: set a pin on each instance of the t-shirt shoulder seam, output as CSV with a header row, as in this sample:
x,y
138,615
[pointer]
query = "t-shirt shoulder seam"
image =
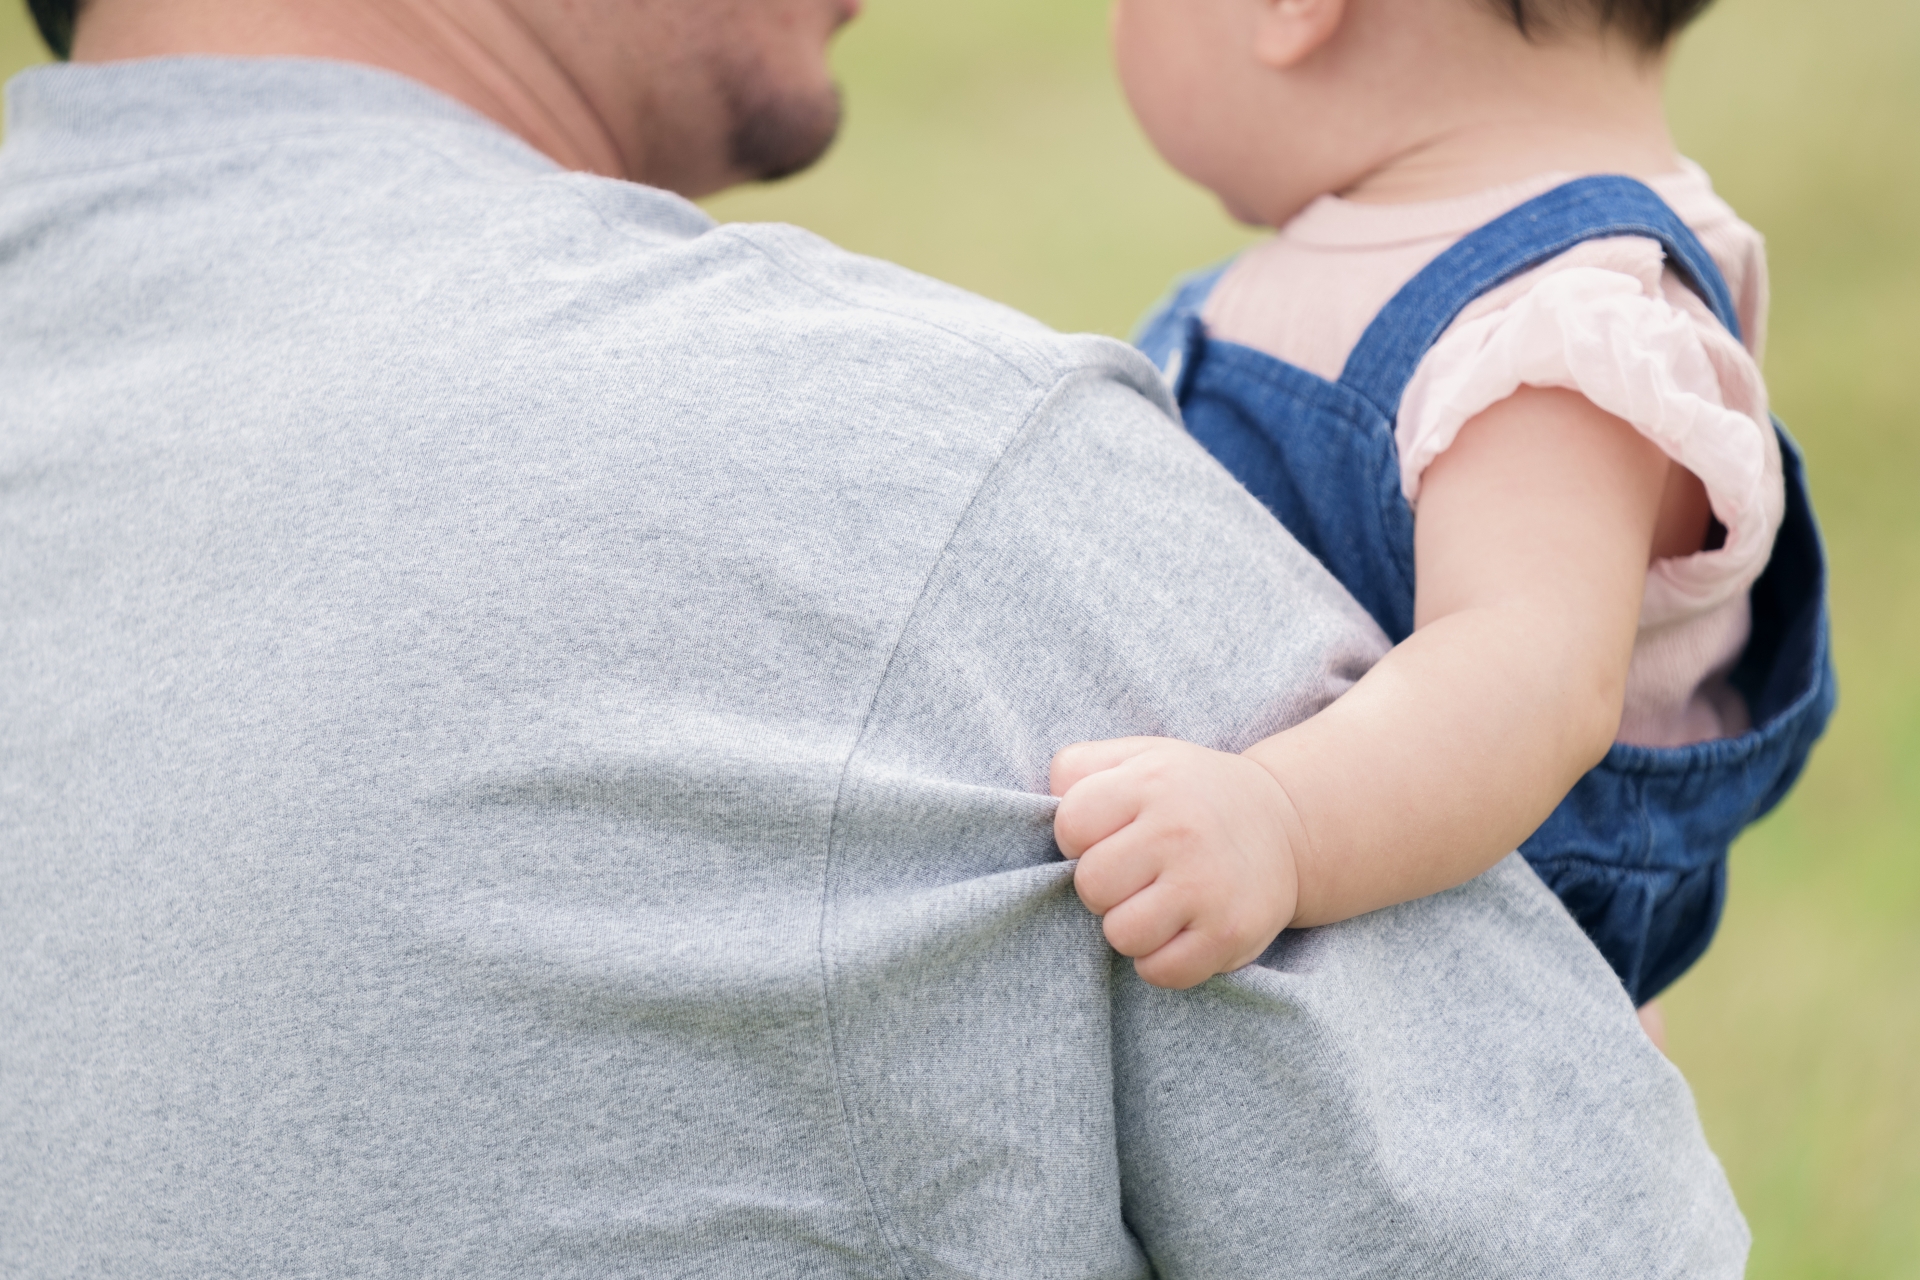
x,y
1015,440
812,281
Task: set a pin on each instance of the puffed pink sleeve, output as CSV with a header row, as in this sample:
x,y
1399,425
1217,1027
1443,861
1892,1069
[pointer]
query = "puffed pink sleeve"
x,y
1607,320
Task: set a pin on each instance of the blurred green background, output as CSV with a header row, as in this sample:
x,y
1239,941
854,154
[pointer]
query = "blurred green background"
x,y
987,144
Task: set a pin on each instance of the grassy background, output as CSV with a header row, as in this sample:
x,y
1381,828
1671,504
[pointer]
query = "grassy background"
x,y
987,144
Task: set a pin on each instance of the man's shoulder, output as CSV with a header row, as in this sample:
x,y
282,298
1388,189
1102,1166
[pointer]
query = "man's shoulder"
x,y
373,212
794,283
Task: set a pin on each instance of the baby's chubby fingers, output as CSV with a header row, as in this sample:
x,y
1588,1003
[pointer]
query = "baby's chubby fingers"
x,y
1179,939
1185,853
1117,868
1096,807
1187,960
1145,922
1074,764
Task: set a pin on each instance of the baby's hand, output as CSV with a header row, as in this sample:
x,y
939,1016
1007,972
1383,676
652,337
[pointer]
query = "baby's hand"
x,y
1183,851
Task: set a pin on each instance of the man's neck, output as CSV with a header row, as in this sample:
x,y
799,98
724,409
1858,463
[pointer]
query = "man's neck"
x,y
478,52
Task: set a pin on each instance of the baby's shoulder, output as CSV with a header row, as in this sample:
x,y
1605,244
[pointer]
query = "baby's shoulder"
x,y
1737,249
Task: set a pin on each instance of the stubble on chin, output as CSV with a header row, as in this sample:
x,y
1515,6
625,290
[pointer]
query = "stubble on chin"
x,y
775,133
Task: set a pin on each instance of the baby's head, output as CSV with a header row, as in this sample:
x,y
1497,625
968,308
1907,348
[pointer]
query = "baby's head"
x,y
1652,24
1272,102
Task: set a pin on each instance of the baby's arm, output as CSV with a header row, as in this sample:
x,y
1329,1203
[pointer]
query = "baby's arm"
x,y
1532,540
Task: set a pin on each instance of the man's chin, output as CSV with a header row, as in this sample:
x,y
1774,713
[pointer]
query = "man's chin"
x,y
777,136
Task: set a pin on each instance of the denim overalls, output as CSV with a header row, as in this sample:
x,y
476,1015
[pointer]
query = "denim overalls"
x,y
1637,851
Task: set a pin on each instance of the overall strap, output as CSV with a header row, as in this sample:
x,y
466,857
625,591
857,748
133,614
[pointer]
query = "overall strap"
x,y
1541,229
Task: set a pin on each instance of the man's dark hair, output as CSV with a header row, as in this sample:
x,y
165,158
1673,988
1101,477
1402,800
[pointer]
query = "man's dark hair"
x,y
55,20
1651,23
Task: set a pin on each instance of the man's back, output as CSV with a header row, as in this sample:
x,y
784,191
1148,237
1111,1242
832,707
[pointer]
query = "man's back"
x,y
524,720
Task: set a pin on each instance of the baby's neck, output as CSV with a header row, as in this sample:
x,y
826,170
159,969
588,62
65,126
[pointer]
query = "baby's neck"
x,y
1564,111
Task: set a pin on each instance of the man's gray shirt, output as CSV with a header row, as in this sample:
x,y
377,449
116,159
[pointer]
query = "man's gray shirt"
x,y
524,719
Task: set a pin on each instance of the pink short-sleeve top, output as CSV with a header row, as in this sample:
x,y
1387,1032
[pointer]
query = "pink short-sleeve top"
x,y
1606,319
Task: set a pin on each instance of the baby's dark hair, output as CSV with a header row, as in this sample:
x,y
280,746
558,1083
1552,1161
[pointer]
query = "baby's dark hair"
x,y
1649,23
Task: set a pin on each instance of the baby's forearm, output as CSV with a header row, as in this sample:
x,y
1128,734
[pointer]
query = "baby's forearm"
x,y
1532,538
1440,761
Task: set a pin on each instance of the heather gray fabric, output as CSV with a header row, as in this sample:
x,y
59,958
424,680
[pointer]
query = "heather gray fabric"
x,y
523,725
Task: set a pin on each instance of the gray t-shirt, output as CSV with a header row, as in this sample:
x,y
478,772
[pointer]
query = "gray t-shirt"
x,y
523,729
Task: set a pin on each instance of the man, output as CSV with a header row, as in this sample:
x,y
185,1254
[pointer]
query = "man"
x,y
524,720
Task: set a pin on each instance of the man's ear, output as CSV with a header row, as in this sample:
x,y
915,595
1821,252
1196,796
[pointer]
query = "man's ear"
x,y
1291,31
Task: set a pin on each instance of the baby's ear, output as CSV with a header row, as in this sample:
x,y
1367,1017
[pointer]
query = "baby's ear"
x,y
1291,31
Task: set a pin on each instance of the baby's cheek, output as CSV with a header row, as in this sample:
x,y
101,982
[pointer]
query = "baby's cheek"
x,y
1171,56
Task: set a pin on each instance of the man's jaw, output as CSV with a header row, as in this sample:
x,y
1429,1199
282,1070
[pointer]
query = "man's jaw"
x,y
720,99
775,137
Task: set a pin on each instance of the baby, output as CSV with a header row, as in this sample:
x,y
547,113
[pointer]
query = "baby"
x,y
1516,408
